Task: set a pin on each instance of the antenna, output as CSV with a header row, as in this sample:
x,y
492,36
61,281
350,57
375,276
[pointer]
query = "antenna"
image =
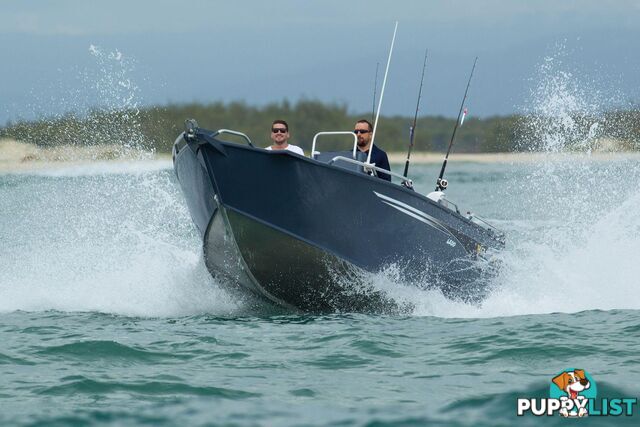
x,y
384,82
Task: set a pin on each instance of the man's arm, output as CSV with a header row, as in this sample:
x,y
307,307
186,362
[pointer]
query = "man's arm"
x,y
384,164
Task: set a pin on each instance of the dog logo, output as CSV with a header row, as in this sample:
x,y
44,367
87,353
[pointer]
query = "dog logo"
x,y
574,388
573,394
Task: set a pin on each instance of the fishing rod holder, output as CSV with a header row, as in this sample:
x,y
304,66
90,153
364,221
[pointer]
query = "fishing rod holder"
x,y
442,184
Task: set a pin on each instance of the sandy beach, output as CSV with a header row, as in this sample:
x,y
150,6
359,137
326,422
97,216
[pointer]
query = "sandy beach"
x,y
18,157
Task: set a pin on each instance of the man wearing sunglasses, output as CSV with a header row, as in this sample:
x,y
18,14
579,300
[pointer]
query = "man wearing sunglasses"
x,y
364,132
280,137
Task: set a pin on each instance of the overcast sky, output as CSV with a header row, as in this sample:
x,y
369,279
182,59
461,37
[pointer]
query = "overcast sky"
x,y
156,52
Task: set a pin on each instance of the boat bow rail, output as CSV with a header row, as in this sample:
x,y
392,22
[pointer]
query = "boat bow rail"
x,y
233,132
198,135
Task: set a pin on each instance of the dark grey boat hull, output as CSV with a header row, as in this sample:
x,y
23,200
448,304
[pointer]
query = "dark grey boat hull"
x,y
305,234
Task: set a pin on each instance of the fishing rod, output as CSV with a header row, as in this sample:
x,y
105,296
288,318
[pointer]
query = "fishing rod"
x,y
412,128
375,87
441,184
384,82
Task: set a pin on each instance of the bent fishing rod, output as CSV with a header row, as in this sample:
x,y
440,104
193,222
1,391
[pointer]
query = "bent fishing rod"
x,y
412,128
441,184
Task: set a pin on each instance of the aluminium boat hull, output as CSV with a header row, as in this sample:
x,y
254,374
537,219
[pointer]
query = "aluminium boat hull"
x,y
309,235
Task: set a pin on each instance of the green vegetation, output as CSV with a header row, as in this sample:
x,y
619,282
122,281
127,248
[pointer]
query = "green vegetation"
x,y
157,127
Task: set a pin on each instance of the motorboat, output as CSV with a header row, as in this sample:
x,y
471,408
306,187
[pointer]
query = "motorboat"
x,y
312,233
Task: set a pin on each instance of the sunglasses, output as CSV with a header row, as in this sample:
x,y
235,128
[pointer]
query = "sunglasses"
x,y
357,131
279,130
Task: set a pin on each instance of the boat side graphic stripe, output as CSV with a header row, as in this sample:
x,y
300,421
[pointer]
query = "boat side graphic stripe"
x,y
413,212
418,217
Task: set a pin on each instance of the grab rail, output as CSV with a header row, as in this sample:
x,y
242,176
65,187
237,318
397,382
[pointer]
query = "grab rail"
x,y
232,132
482,222
369,166
342,132
448,203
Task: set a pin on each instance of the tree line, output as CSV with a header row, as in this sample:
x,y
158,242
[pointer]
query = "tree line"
x,y
156,128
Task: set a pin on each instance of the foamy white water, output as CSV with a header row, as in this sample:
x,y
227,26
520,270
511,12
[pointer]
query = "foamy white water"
x,y
117,237
133,167
102,239
571,223
114,241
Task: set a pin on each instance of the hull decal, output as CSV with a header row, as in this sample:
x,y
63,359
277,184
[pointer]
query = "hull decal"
x,y
414,213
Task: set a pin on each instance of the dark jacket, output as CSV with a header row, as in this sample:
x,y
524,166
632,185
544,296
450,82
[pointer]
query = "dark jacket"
x,y
379,157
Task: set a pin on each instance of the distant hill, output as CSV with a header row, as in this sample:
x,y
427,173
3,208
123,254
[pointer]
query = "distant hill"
x,y
157,127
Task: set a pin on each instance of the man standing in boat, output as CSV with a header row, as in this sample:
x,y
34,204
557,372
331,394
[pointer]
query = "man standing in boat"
x,y
364,132
280,137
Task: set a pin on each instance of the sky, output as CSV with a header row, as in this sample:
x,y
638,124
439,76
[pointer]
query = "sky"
x,y
70,55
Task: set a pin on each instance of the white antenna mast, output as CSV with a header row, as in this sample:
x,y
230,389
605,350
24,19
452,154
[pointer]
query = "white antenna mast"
x,y
384,82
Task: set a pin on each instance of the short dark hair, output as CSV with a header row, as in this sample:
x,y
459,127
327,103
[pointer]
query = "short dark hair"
x,y
367,122
280,122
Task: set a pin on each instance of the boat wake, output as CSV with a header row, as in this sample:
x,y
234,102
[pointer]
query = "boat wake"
x,y
573,230
551,267
104,240
117,238
117,242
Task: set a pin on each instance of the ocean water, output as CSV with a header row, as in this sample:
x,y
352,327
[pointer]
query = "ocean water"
x,y
109,317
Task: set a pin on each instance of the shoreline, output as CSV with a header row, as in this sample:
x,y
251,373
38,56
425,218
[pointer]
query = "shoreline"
x,y
510,157
17,157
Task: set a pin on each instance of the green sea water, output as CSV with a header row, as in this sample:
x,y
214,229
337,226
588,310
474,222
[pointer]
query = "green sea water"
x,y
109,317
